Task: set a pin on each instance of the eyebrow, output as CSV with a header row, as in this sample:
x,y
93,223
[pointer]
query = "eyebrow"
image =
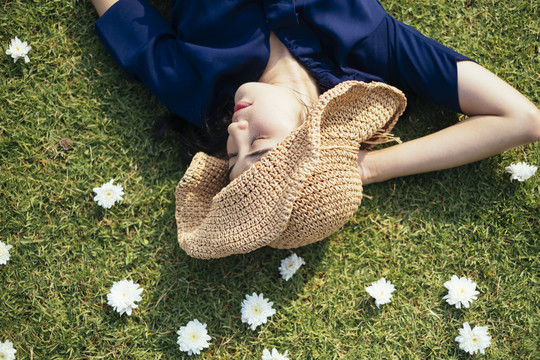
x,y
251,155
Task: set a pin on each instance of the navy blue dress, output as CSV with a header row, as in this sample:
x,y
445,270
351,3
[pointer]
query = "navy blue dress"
x,y
209,48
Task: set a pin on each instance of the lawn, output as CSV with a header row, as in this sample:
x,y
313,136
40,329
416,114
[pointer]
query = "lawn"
x,y
416,231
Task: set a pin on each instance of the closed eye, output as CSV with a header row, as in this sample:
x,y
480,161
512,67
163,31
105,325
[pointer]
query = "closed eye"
x,y
254,138
253,156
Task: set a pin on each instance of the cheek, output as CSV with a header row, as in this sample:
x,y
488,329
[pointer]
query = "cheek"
x,y
279,130
276,121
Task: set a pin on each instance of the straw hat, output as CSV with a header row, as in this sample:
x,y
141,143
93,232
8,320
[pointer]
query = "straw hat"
x,y
298,193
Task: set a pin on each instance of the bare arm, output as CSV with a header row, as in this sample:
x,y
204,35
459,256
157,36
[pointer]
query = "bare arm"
x,y
500,119
103,5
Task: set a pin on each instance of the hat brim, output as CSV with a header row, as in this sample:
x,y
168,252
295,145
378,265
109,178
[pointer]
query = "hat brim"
x,y
216,218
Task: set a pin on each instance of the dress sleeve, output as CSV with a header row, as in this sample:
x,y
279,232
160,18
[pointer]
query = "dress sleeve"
x,y
146,47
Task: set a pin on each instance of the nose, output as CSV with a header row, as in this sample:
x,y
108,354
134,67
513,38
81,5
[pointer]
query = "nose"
x,y
237,126
238,130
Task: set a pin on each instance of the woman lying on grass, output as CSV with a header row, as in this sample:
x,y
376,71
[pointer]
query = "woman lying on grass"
x,y
275,59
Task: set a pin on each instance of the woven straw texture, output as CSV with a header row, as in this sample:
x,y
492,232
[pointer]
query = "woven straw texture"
x,y
300,192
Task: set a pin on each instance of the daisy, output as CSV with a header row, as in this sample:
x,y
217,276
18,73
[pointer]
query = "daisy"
x,y
123,296
108,194
473,340
275,355
4,253
193,337
461,291
289,265
256,310
381,290
7,352
520,171
18,50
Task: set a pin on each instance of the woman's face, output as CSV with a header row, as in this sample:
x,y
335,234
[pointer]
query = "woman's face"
x,y
264,115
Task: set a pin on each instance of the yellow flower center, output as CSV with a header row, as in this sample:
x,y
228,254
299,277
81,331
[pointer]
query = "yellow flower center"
x,y
256,310
2,356
194,336
475,339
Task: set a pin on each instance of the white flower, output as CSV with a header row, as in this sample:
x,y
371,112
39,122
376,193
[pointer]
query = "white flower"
x,y
4,253
473,340
18,50
520,171
381,290
256,310
123,296
108,194
193,337
275,355
290,265
7,352
461,291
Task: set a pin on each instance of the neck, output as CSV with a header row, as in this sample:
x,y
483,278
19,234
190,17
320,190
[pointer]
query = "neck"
x,y
284,70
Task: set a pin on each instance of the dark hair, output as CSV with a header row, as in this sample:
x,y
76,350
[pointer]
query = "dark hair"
x,y
211,139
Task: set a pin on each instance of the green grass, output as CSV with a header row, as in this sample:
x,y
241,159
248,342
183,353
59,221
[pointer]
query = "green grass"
x,y
415,231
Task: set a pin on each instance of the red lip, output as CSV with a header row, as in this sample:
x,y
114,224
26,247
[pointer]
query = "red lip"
x,y
241,105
